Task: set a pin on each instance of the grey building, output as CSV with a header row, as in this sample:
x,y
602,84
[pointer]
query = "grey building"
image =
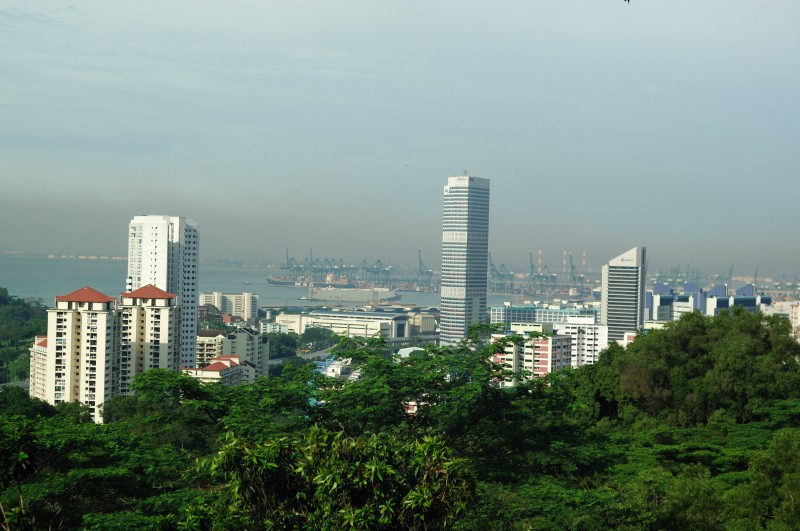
x,y
465,254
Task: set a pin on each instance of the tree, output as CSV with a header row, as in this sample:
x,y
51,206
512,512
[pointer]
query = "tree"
x,y
283,345
326,480
317,338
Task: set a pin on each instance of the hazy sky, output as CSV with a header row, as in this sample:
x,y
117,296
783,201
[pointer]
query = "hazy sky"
x,y
333,126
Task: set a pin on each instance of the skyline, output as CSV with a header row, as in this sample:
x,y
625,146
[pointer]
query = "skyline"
x,y
602,126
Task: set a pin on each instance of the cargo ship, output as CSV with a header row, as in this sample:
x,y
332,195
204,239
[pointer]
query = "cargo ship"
x,y
280,281
357,295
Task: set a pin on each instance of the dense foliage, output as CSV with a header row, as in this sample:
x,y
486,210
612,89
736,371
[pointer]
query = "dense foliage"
x,y
20,321
692,427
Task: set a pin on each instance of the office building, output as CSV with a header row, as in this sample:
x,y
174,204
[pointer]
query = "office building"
x,y
465,256
623,298
163,251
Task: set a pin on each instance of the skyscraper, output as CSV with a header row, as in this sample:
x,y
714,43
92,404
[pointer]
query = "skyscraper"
x,y
163,251
465,256
622,302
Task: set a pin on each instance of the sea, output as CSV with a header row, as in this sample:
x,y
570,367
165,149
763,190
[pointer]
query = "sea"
x,y
43,278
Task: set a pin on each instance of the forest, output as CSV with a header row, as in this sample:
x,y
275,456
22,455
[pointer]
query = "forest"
x,y
691,427
20,321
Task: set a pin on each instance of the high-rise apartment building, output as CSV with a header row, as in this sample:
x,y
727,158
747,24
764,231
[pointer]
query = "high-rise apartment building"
x,y
163,251
79,358
149,334
244,305
95,345
465,256
623,296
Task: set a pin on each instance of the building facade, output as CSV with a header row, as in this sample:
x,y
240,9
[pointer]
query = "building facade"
x,y
78,361
538,354
163,251
623,296
244,305
96,345
465,256
225,370
149,334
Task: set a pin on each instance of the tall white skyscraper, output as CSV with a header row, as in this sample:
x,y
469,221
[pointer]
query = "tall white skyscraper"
x,y
465,256
622,302
163,251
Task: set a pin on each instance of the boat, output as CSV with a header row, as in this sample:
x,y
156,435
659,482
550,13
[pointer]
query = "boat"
x,y
358,295
280,281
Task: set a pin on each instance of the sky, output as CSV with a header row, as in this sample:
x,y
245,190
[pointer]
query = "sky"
x,y
331,127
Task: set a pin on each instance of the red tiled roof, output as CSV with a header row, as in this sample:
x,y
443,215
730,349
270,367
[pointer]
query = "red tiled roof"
x,y
149,292
215,367
41,341
85,294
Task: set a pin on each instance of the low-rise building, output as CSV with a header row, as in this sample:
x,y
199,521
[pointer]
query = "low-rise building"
x,y
224,370
396,326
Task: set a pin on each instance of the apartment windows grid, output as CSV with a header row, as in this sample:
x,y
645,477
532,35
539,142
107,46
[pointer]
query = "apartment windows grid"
x,y
163,251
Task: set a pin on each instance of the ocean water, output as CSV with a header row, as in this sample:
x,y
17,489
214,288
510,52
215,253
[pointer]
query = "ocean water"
x,y
45,278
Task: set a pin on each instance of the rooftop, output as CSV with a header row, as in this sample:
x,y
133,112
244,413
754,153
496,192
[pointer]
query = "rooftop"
x,y
85,294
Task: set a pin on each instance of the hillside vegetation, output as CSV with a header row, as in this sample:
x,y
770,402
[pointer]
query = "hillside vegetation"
x,y
690,427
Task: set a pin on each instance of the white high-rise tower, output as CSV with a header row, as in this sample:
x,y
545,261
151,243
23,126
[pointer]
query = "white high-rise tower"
x,y
465,256
622,299
163,251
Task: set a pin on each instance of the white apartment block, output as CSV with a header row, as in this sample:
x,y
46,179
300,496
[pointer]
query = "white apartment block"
x,y
250,346
79,358
150,333
790,309
210,345
244,343
587,339
244,305
537,355
38,371
163,251
95,345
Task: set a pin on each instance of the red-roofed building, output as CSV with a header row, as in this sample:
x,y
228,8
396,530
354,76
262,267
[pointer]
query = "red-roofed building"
x,y
149,334
85,295
96,345
79,359
148,292
226,370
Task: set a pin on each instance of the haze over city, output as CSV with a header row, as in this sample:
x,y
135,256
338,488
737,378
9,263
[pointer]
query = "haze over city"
x,y
333,126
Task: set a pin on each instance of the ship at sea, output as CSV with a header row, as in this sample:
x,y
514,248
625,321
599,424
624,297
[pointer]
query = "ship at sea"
x,y
357,295
281,281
